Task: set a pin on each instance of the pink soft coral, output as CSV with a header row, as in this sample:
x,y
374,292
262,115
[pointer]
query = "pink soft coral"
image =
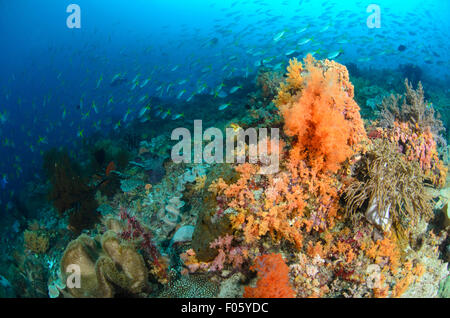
x,y
228,255
234,256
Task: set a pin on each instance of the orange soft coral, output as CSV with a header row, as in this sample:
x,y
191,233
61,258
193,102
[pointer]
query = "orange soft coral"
x,y
265,207
385,252
319,111
323,115
273,278
316,101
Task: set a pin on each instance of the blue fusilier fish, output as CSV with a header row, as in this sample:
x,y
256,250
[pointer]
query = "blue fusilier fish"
x,y
117,80
4,182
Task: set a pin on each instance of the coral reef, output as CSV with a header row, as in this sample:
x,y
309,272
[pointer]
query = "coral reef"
x,y
232,287
319,112
129,185
347,214
30,276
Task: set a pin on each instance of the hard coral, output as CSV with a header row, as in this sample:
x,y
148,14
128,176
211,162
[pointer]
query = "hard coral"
x,y
192,286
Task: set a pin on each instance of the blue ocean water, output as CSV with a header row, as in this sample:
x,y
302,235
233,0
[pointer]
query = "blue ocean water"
x,y
48,69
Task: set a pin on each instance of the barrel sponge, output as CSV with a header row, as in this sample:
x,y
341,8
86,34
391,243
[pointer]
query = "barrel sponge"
x,y
103,283
82,252
105,266
113,224
133,275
